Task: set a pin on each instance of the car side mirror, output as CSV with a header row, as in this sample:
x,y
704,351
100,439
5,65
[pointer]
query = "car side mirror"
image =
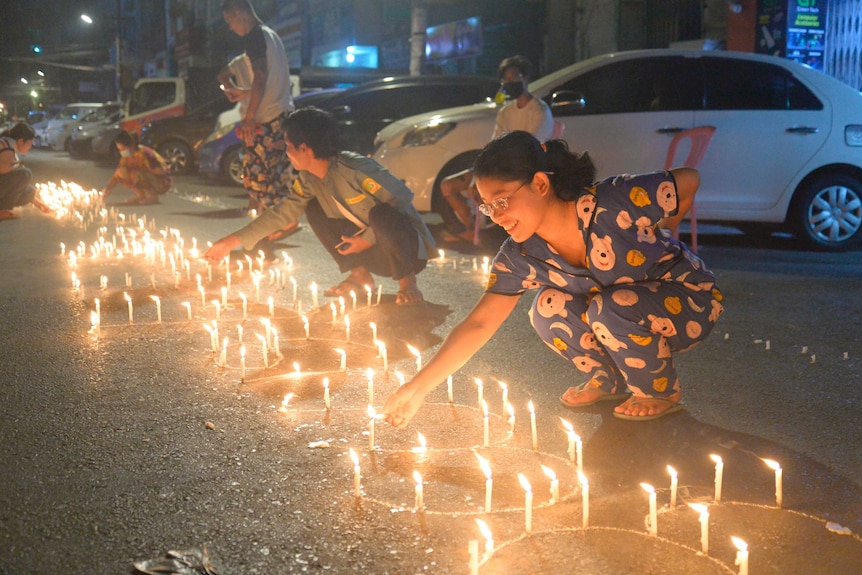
x,y
567,102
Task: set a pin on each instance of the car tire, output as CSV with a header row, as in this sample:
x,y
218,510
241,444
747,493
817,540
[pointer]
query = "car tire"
x,y
231,166
826,213
439,204
178,155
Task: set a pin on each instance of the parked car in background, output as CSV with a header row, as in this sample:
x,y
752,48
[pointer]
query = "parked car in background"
x,y
90,126
59,128
787,150
220,155
103,148
178,139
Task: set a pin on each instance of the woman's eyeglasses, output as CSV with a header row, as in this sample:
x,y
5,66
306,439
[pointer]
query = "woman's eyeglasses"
x,y
500,204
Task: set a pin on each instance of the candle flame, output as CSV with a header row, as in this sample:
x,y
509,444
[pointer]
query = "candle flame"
x,y
486,531
242,296
549,472
286,401
126,295
372,413
567,425
354,457
671,471
648,488
295,365
478,382
716,458
582,478
339,351
155,298
224,343
325,383
699,507
484,408
94,318
242,351
421,439
414,351
510,409
773,465
522,479
739,543
417,477
484,466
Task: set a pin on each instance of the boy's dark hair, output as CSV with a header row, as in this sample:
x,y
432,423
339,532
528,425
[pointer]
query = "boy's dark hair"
x,y
314,128
237,6
128,139
520,62
20,131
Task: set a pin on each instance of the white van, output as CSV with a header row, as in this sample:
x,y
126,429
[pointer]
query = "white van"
x,y
59,127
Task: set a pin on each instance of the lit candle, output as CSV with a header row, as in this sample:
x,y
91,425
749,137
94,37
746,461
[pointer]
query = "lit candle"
x,y
505,389
239,332
555,483
367,294
217,304
242,361
719,472
703,510
203,296
313,294
227,280
418,356
98,310
188,307
421,449
741,555
379,293
343,355
485,425
347,327
271,303
442,255
489,538
255,279
353,299
528,503
420,503
341,308
357,485
372,415
131,310
674,484
276,344
585,499
94,324
264,349
449,389
473,548
369,374
293,284
222,360
511,409
176,279
373,327
779,488
158,301
480,390
653,511
533,425
334,312
489,481
209,272
307,328
326,394
383,356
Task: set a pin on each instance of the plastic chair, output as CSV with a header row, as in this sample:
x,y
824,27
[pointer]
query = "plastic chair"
x,y
700,137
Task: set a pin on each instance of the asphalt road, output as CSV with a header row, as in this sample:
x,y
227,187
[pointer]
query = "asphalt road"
x,y
120,448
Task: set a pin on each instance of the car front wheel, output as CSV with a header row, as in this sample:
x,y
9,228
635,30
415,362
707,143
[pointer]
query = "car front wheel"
x,y
178,156
827,213
231,166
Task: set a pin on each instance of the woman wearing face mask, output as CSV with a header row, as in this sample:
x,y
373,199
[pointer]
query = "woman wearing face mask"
x,y
523,112
16,188
141,170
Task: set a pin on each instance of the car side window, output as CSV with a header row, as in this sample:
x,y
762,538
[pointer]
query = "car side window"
x,y
740,85
646,85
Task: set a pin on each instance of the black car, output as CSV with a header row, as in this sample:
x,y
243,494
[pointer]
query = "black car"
x,y
177,139
364,110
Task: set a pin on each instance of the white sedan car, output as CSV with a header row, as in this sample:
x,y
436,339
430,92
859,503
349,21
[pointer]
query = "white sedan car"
x,y
787,149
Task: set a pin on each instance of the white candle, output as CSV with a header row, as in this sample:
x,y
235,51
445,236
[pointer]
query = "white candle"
x,y
489,538
217,304
383,356
188,307
353,299
719,472
98,310
222,360
131,310
275,343
239,332
420,503
242,361
347,327
421,449
313,294
653,510
779,488
372,415
307,328
555,483
674,484
343,355
369,373
203,296
176,279
368,294
373,327
357,485
271,303
227,280
480,390
449,389
528,503
703,512
585,499
293,284
158,301
489,482
741,555
532,409
418,356
473,548
334,312
264,349
94,324
209,272
511,409
505,389
485,425
326,401
379,293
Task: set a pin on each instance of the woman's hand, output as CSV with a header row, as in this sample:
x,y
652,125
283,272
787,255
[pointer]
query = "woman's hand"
x,y
220,250
402,405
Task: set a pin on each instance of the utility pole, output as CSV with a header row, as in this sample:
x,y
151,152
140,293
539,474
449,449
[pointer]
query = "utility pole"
x,y
117,25
419,22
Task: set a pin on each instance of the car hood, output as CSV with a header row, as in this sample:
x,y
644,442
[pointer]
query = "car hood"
x,y
459,114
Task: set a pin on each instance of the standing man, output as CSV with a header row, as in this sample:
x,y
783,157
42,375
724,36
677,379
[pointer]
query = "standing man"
x,y
259,79
523,112
362,214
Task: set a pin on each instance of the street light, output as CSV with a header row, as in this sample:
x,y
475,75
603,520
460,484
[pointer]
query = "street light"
x,y
86,18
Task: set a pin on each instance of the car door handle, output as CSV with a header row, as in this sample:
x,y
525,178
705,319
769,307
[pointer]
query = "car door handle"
x,y
668,130
802,130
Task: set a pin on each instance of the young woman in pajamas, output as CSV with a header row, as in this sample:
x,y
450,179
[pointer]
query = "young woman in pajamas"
x,y
617,295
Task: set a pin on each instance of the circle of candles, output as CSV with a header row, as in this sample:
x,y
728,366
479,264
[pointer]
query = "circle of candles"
x,y
703,517
489,538
653,511
585,498
555,483
357,486
719,473
489,482
420,500
528,503
532,409
674,484
741,555
779,488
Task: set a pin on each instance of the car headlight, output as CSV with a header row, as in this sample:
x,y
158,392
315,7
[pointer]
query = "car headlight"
x,y
427,135
853,135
